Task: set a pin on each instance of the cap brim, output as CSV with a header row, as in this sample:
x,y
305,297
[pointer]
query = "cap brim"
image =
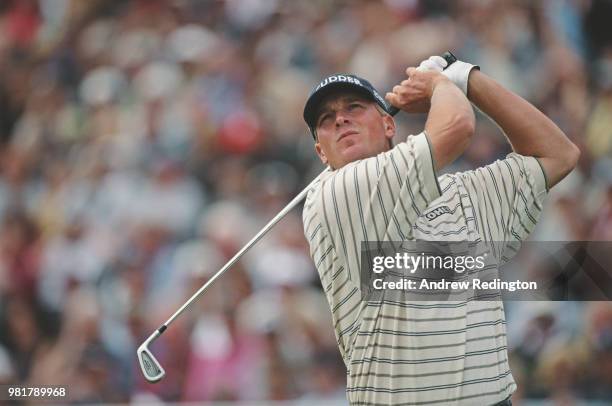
x,y
310,109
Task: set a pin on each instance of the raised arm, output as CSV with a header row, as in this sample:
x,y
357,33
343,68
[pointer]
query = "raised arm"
x,y
450,121
529,131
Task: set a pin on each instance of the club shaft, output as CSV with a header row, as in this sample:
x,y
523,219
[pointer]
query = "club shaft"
x,y
296,200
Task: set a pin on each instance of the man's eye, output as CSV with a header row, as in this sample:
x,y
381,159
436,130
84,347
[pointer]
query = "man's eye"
x,y
324,118
354,106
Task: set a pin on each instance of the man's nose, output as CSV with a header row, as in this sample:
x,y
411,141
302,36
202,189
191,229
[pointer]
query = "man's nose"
x,y
341,117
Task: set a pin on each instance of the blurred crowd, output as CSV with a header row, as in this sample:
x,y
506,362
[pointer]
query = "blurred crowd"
x,y
143,142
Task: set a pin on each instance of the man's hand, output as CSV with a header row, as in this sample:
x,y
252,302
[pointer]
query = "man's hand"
x,y
413,95
458,72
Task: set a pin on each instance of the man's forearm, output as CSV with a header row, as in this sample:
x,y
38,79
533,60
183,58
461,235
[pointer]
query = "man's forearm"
x,y
529,131
450,123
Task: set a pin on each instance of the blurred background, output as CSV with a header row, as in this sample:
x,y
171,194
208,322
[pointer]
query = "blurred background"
x,y
143,142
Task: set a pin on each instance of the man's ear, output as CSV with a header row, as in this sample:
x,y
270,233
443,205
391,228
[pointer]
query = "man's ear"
x,y
389,124
320,153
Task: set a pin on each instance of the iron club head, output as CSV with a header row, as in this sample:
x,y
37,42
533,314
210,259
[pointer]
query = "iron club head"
x,y
151,369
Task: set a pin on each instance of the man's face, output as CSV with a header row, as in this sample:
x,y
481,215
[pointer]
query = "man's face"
x,y
350,127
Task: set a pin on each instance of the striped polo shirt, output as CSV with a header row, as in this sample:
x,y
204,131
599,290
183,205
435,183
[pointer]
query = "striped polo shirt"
x,y
419,353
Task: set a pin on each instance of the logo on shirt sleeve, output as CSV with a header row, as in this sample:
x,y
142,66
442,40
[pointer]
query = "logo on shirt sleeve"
x,y
437,212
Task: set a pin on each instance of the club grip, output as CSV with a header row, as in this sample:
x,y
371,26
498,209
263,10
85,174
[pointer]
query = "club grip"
x,y
448,57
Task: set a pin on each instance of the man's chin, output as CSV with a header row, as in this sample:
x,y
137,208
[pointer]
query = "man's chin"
x,y
354,153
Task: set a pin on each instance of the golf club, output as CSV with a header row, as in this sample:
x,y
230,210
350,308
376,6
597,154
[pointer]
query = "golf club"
x,y
151,368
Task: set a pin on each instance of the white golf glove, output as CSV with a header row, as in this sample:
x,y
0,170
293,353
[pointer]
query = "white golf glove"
x,y
458,72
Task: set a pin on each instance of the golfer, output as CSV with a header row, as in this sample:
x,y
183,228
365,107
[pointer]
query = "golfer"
x,y
422,353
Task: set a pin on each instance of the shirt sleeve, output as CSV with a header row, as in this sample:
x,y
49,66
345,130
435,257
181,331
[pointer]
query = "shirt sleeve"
x,y
416,161
378,198
507,196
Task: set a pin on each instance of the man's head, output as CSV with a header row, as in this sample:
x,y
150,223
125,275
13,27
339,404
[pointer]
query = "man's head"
x,y
348,119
